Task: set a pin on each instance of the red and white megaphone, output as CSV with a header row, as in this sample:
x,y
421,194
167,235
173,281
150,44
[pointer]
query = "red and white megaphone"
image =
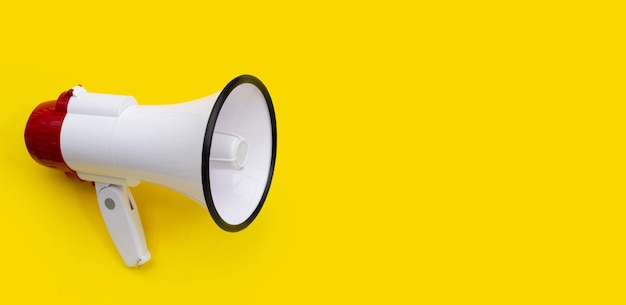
x,y
219,150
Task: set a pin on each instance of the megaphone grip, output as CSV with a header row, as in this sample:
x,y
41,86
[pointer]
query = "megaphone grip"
x,y
122,220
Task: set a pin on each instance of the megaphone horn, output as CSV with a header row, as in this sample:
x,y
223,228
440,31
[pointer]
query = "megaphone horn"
x,y
219,150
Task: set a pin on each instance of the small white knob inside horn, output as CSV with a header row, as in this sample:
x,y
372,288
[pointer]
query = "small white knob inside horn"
x,y
242,153
230,149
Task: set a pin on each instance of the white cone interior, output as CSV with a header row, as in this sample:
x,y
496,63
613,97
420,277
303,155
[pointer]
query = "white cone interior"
x,y
237,192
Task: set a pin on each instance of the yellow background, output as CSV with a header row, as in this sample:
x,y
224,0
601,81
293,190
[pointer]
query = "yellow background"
x,y
457,152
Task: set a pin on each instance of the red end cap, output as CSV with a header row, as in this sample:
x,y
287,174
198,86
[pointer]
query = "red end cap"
x,y
43,134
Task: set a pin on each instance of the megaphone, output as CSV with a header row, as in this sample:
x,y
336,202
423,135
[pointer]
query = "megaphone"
x,y
219,150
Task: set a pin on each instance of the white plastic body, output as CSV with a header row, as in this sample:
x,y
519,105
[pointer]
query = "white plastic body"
x,y
121,217
109,138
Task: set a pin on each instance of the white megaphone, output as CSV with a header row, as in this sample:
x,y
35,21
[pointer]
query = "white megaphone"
x,y
219,150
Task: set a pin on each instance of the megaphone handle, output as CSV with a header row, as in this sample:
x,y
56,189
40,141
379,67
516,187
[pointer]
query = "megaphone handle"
x,y
122,220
